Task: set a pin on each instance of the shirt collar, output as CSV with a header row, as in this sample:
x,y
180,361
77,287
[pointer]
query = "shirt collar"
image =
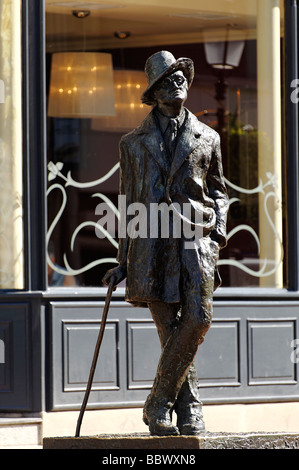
x,y
164,120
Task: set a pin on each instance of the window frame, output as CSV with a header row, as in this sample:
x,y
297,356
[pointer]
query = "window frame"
x,y
291,123
34,143
34,136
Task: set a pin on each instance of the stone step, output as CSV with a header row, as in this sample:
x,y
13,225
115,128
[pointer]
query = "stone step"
x,y
20,432
205,441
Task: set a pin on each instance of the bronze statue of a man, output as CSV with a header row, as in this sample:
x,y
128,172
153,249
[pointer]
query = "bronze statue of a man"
x,y
173,158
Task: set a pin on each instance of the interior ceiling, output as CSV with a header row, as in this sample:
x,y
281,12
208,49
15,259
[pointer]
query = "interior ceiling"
x,y
166,22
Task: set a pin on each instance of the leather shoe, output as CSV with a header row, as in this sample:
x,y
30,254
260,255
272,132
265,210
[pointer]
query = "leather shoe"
x,y
157,417
190,424
193,428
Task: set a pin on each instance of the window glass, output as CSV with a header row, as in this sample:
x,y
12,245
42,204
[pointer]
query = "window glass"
x,y
11,190
93,99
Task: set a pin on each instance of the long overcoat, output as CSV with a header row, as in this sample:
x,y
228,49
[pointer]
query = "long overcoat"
x,y
159,268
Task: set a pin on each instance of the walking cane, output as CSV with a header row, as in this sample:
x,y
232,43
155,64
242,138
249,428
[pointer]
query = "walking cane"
x,y
95,357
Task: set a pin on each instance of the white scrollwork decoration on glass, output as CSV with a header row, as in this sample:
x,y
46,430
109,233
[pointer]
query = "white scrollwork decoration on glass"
x,y
55,171
264,263
11,217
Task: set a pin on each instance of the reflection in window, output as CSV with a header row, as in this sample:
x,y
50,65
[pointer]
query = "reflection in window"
x,y
11,191
240,97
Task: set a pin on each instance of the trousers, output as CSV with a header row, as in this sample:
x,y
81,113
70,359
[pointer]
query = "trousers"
x,y
176,381
182,328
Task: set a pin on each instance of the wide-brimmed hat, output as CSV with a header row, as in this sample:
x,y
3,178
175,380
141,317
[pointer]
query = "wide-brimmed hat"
x,y
161,64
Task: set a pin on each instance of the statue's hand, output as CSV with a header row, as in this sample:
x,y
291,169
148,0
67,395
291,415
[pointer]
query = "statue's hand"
x,y
115,275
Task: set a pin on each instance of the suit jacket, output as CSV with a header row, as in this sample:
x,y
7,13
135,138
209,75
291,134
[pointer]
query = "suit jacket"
x,y
156,266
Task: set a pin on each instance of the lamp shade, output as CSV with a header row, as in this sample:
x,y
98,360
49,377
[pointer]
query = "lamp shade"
x,y
128,88
81,85
224,55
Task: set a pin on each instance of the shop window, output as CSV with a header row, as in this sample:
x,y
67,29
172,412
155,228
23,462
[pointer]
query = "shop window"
x,y
11,187
239,94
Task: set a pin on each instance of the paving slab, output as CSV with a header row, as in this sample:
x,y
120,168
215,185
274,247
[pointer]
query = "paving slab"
x,y
206,440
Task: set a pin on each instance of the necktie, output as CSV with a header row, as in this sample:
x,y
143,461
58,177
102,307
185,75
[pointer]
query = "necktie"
x,y
171,136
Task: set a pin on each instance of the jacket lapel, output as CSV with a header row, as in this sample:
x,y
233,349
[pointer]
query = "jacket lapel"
x,y
153,141
188,140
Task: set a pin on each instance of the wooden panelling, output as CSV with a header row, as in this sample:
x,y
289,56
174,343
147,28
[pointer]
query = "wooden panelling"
x,y
218,357
269,352
246,355
79,339
143,353
15,367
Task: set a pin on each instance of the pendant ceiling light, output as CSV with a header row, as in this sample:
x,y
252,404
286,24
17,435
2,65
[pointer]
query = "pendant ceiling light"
x,y
81,85
224,55
130,112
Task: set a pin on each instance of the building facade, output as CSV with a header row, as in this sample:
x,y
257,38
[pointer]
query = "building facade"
x,y
71,77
